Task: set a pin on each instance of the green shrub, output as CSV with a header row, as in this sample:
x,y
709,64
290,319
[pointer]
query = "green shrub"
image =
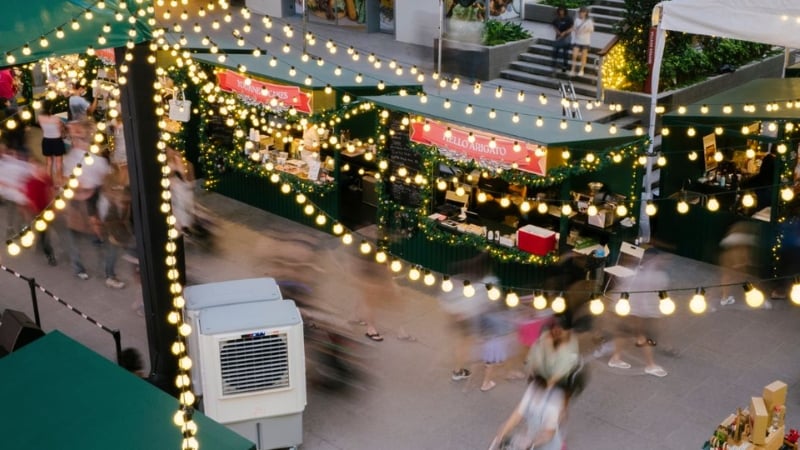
x,y
496,32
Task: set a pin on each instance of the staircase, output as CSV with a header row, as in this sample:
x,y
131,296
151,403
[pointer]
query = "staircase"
x,y
534,66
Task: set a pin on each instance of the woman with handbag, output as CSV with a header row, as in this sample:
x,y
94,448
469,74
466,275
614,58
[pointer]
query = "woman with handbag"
x,y
556,357
534,423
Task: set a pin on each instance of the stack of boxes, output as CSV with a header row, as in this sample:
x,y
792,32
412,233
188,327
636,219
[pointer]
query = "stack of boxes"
x,y
761,427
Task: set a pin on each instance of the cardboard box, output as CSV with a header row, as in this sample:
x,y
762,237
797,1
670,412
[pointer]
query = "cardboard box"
x,y
759,418
603,219
536,240
774,395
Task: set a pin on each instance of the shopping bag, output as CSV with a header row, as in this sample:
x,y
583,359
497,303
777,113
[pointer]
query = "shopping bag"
x,y
180,108
529,331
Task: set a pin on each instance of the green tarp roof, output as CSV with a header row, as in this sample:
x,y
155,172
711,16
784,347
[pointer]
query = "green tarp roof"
x,y
549,134
757,93
25,22
321,75
58,394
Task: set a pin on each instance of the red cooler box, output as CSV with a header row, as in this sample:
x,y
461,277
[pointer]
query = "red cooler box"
x,y
537,240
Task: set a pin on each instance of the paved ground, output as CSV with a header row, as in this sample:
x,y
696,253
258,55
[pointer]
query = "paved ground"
x,y
718,360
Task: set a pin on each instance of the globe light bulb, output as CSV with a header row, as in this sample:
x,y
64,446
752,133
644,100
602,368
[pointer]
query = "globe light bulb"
x,y
697,304
665,304
591,211
787,194
622,210
623,306
753,296
429,279
365,247
559,304
596,306
650,209
794,293
683,207
380,257
414,273
512,299
748,200
542,208
469,290
493,292
447,284
539,301
713,204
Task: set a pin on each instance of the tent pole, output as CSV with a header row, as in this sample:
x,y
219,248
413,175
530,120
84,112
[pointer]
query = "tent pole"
x,y
644,220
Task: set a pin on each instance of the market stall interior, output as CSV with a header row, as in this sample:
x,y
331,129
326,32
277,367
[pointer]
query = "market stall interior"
x,y
738,151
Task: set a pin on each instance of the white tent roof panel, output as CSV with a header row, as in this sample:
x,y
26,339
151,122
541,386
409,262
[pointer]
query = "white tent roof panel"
x,y
775,22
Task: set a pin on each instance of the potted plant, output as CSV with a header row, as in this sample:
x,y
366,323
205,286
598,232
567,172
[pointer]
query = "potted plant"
x,y
499,43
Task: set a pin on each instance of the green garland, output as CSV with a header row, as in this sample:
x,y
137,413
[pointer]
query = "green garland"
x,y
433,232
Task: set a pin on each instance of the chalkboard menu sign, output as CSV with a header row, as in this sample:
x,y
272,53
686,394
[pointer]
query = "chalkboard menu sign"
x,y
402,155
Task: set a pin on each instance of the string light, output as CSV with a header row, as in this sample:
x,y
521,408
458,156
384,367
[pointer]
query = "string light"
x,y
697,304
753,296
596,305
512,299
539,300
665,304
623,306
559,304
469,289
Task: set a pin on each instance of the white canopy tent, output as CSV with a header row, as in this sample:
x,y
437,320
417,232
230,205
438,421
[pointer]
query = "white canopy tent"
x,y
775,22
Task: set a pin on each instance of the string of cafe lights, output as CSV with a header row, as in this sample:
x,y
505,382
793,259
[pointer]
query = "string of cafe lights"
x,y
61,31
183,418
455,82
754,297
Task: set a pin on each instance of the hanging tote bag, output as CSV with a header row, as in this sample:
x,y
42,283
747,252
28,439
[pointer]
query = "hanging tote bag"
x,y
180,108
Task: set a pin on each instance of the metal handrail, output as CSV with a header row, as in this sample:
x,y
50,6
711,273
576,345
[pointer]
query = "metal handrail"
x,y
34,286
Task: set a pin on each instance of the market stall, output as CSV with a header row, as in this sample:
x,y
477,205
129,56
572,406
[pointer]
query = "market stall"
x,y
533,191
302,128
731,161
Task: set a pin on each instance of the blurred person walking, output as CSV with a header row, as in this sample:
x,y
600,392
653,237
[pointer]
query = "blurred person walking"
x,y
555,357
535,422
466,312
497,336
639,327
79,107
53,147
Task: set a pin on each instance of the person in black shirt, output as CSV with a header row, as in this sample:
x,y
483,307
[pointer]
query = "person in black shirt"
x,y
562,26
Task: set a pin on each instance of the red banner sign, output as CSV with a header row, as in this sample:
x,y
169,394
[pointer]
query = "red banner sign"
x,y
105,54
479,148
263,92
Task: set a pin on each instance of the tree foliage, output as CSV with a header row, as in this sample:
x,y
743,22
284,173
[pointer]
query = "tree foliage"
x,y
687,58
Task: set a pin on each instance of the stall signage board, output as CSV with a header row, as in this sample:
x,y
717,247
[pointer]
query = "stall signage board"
x,y
480,149
263,92
401,154
106,55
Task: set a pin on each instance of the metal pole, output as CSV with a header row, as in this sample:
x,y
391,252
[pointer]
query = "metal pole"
x,y
35,302
305,25
117,344
441,35
150,227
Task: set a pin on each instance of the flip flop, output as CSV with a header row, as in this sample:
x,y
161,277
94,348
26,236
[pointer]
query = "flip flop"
x,y
488,387
649,342
374,336
619,364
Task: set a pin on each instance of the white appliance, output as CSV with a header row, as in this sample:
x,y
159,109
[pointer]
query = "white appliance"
x,y
249,360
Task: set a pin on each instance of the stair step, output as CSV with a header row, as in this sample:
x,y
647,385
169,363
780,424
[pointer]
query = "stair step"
x,y
582,87
608,11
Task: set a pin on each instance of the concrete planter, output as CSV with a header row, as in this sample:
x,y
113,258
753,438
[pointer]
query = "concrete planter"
x,y
478,61
542,13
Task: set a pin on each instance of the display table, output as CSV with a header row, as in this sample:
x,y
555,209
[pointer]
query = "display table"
x,y
759,427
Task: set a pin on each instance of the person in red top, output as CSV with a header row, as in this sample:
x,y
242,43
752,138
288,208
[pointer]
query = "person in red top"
x,y
8,85
38,190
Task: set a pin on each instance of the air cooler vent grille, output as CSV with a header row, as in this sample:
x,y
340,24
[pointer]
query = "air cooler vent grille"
x,y
254,363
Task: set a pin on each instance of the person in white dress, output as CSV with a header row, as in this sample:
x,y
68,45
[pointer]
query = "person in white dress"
x,y
581,39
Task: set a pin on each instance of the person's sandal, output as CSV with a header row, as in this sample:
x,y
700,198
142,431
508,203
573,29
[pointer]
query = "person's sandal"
x,y
488,386
374,336
648,342
618,364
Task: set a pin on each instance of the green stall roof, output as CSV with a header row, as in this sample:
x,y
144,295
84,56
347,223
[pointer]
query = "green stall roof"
x,y
25,22
549,134
320,75
758,93
59,394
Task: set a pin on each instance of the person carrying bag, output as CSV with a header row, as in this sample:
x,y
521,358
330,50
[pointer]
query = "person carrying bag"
x,y
534,423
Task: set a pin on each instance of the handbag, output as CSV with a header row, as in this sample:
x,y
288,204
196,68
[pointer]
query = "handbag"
x,y
180,108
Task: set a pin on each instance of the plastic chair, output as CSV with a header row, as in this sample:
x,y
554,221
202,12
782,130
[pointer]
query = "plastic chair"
x,y
628,263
